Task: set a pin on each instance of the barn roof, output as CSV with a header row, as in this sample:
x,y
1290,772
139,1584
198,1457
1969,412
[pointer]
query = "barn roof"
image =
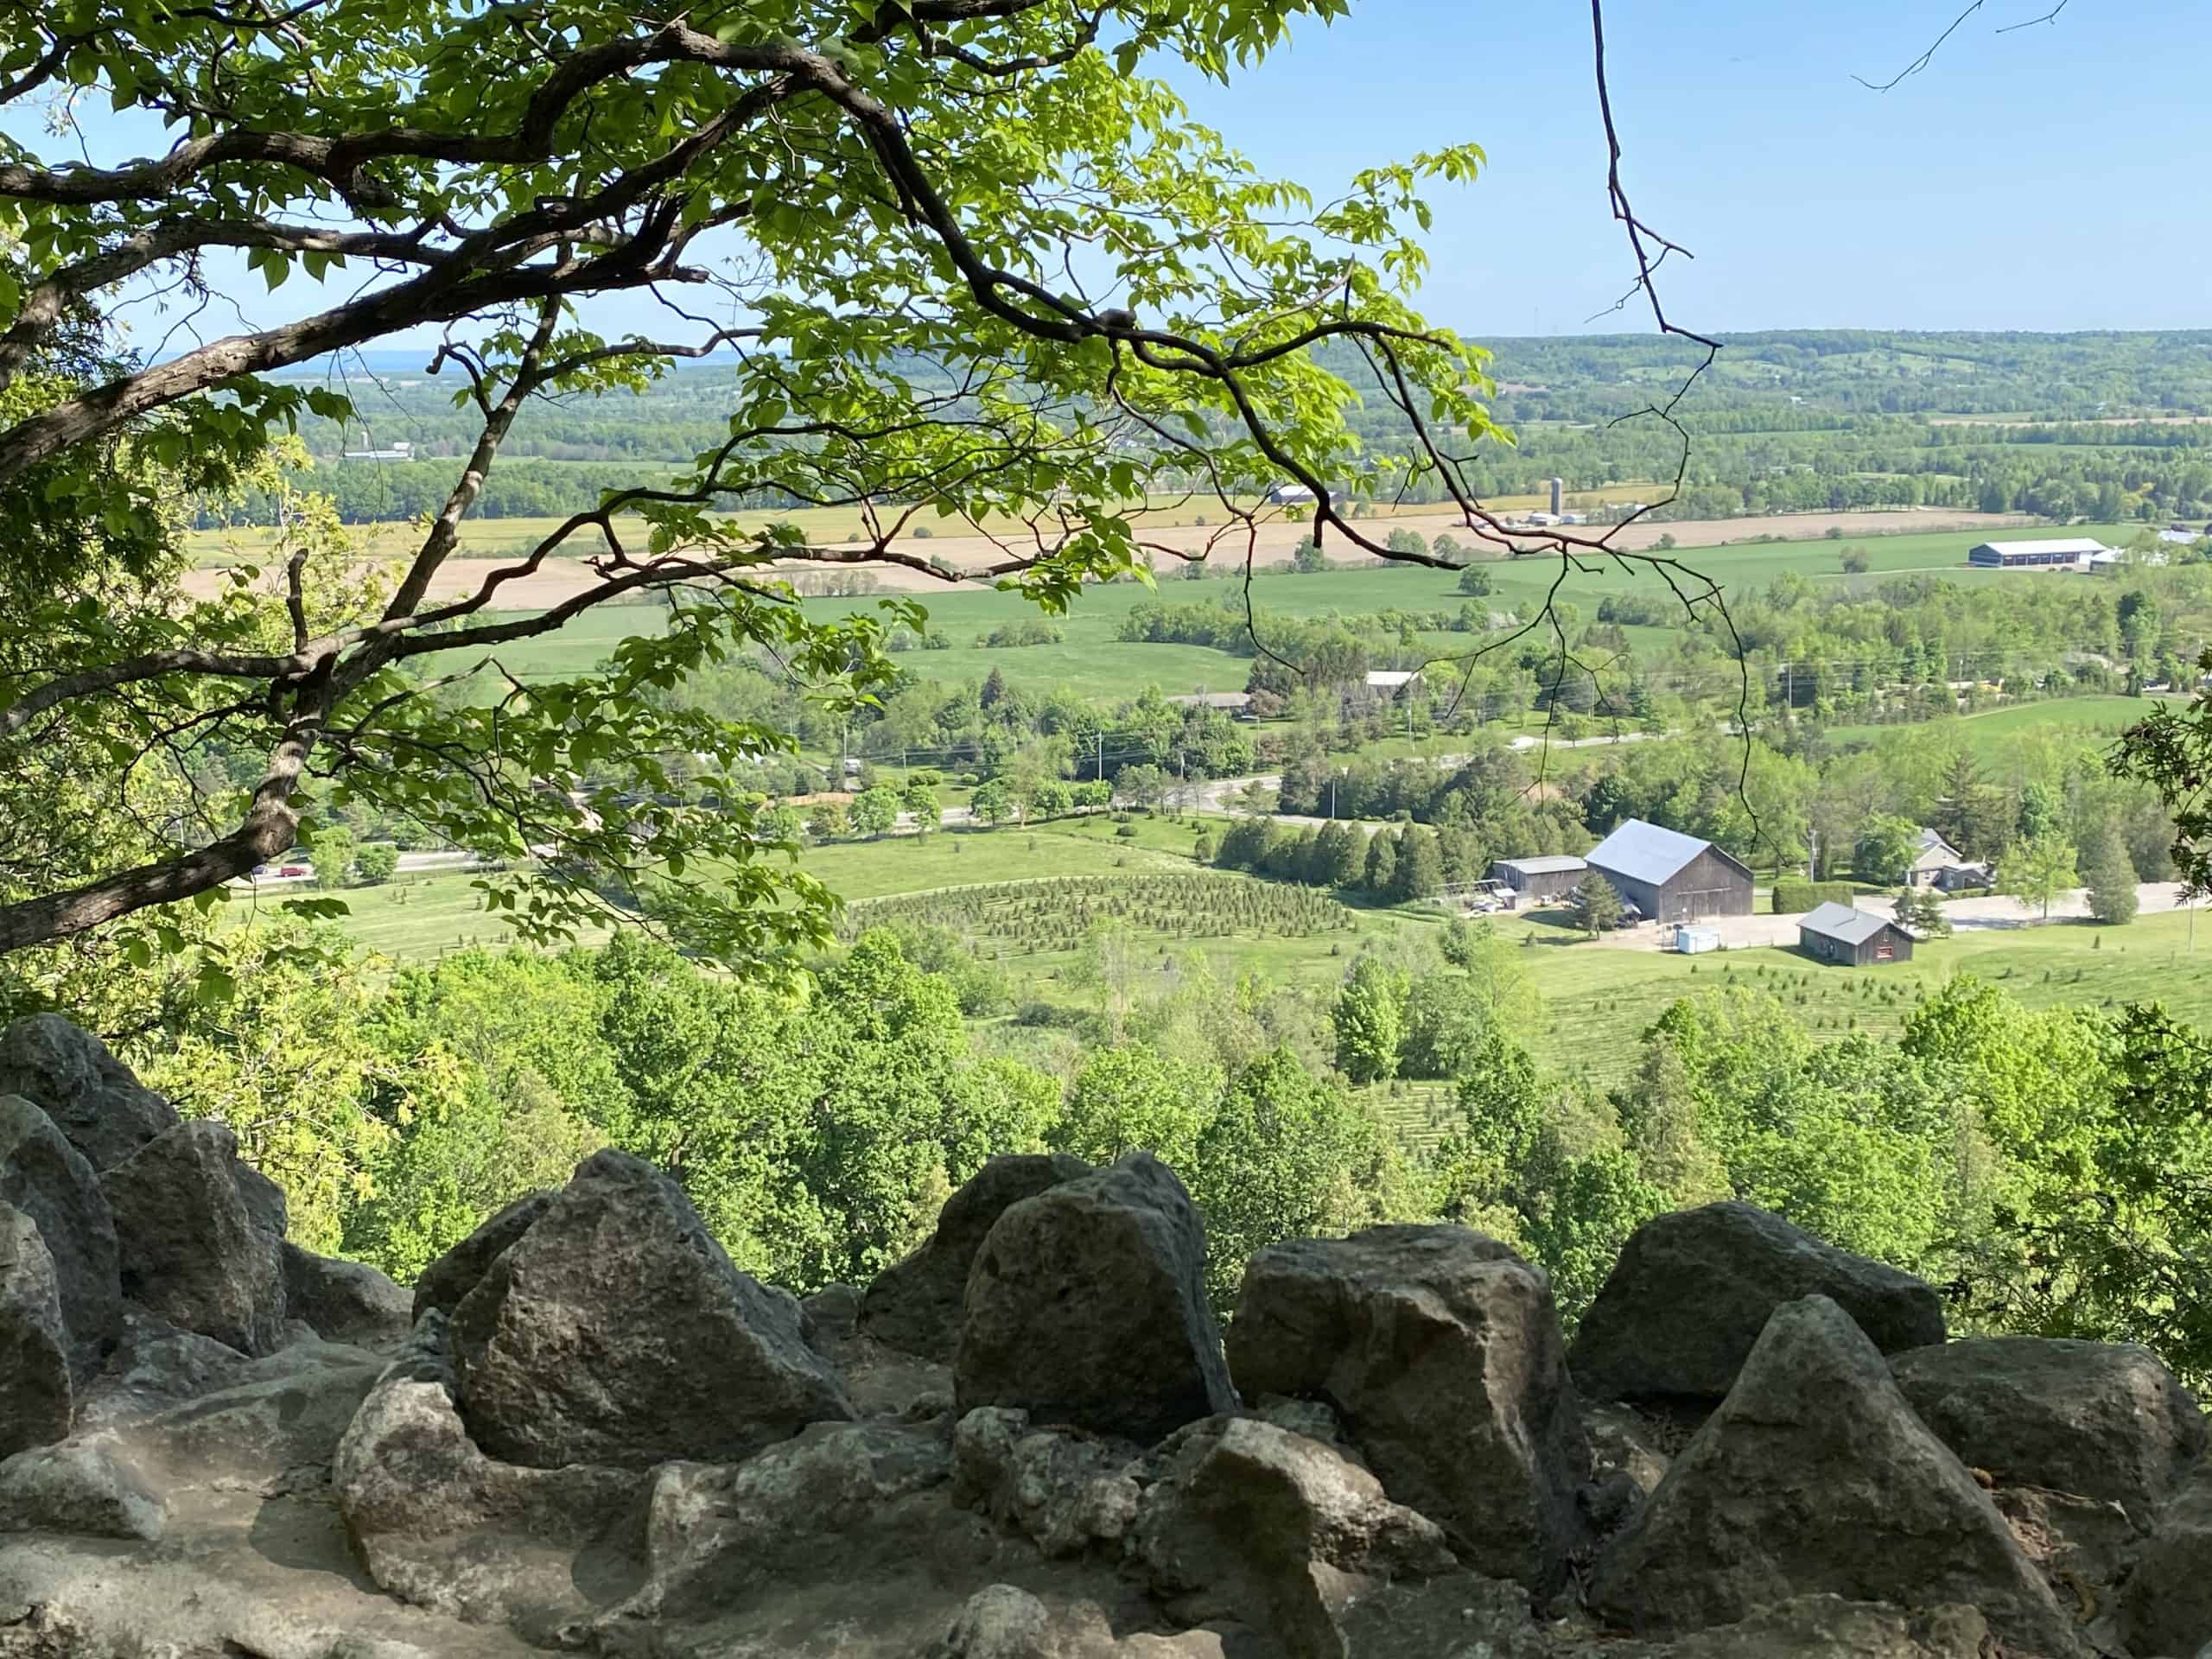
x,y
2074,545
1644,852
1844,923
1543,864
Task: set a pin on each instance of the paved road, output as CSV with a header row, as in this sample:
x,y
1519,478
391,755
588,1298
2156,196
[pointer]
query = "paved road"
x,y
1740,933
408,862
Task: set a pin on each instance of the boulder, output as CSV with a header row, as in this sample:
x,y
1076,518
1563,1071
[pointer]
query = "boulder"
x,y
1067,1489
264,1199
90,1094
1829,1627
1087,1306
438,1523
1440,1350
154,1366
50,1181
1815,1476
915,1304
454,1274
2102,1420
275,1431
616,1330
189,1249
1691,1291
83,1486
830,1317
34,1387
2165,1608
712,1531
1258,1524
345,1301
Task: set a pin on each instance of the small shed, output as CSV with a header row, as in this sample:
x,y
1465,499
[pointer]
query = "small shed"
x,y
1841,933
1547,876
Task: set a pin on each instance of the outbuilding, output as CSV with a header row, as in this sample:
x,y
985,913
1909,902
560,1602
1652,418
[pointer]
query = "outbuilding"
x,y
1667,876
1842,934
2065,553
1549,875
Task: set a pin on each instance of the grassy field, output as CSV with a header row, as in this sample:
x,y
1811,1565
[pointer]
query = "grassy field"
x,y
1994,733
1093,662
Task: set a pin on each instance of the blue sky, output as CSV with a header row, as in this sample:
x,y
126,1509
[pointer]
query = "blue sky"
x,y
2047,178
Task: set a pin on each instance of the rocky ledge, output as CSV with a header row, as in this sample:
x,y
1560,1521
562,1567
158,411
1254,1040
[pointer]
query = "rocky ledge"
x,y
587,1432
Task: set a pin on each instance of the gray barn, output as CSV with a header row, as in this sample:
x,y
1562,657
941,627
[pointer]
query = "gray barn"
x,y
1672,877
1842,933
1550,875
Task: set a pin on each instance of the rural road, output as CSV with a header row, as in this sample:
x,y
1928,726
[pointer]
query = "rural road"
x,y
1740,933
407,862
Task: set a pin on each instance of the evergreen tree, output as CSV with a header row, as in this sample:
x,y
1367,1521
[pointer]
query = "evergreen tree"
x,y
1596,907
1337,856
1419,870
1381,863
2109,877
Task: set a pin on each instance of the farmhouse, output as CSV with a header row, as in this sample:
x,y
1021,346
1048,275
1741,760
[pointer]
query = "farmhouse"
x,y
2075,553
1234,702
1839,933
1391,679
1931,856
1547,876
1671,877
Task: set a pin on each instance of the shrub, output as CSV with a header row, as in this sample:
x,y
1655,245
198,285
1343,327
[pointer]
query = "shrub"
x,y
1125,830
1792,896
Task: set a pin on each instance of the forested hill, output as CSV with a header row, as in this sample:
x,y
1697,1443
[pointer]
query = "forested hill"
x,y
2111,424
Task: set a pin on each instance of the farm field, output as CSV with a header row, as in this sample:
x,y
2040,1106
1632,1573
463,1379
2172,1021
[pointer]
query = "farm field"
x,y
1091,660
1994,733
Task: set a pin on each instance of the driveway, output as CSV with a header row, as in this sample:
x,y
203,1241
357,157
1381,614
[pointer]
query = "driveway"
x,y
1744,932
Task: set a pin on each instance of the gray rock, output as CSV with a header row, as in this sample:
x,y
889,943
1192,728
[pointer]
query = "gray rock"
x,y
1087,1306
90,1094
2165,1609
156,1366
49,1181
275,1431
1691,1291
35,1387
265,1206
915,1304
1815,1477
438,1523
2103,1420
83,1486
1258,1524
345,1301
1068,1489
616,1330
1440,1350
189,1250
830,1317
1003,1621
713,1530
454,1274
1828,1627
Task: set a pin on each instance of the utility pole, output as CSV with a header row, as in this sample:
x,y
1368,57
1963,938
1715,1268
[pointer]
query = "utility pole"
x,y
1102,754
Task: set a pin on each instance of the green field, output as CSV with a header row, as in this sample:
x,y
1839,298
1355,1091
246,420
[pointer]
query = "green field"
x,y
1093,662
1993,734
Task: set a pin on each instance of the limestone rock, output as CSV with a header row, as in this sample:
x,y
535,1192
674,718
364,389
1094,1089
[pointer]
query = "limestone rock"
x,y
1087,1306
616,1330
2166,1606
83,1486
1067,1488
34,1389
440,1524
49,1181
454,1274
345,1301
712,1529
1815,1477
2103,1420
830,1317
189,1249
265,1206
915,1304
90,1094
1441,1349
1691,1291
1279,1532
1829,1627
